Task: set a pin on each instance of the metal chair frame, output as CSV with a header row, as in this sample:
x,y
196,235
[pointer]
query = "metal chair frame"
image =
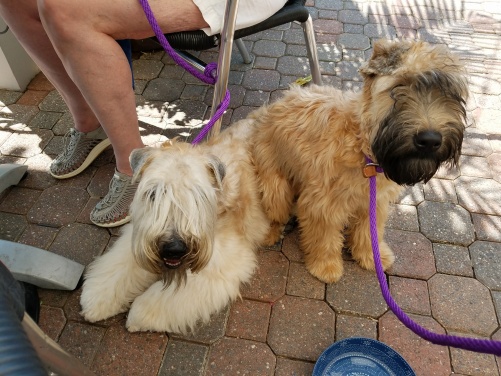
x,y
197,40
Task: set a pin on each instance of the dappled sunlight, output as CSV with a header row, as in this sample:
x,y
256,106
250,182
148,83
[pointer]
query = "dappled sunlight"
x,y
487,226
329,52
159,121
479,195
446,171
411,195
440,190
448,22
17,140
7,120
177,114
353,86
454,220
474,166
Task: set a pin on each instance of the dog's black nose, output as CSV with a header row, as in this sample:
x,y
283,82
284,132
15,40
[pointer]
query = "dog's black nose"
x,y
172,252
428,141
174,247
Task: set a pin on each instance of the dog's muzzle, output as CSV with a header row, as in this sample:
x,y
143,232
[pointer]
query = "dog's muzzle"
x,y
408,158
172,252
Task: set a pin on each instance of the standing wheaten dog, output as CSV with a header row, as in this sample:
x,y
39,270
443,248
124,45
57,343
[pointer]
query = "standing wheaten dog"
x,y
196,223
310,148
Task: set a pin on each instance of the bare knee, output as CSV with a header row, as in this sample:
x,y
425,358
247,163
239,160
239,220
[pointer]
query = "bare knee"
x,y
58,18
19,11
7,6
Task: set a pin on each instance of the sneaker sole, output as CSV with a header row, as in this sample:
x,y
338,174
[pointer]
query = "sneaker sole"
x,y
98,149
113,224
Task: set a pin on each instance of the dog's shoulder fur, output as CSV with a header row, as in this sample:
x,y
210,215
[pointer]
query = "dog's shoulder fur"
x,y
241,198
322,121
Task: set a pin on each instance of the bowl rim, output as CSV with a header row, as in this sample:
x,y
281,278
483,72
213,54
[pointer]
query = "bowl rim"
x,y
379,348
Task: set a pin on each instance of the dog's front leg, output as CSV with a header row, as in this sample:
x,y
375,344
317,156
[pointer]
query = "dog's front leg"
x,y
359,237
180,308
113,281
321,238
277,196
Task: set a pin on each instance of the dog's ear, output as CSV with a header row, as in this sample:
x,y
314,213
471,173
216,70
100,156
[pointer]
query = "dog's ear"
x,y
169,143
386,58
138,159
218,170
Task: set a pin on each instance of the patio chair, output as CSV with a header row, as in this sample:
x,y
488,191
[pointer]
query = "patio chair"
x,y
293,11
24,348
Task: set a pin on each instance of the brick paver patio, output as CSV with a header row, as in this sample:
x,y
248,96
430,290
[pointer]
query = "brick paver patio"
x,y
446,234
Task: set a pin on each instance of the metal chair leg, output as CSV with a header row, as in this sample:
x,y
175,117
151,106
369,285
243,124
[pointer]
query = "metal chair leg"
x,y
224,60
311,50
51,354
243,51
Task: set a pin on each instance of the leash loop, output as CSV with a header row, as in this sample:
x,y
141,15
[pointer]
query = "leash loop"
x,y
466,343
210,71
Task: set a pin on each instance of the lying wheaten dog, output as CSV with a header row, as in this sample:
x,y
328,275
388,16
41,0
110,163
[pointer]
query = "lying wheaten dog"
x,y
311,145
196,223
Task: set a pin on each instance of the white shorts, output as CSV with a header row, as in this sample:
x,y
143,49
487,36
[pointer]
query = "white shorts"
x,y
250,12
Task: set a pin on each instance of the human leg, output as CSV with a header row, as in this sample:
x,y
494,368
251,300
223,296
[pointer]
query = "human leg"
x,y
84,33
98,66
24,21
87,140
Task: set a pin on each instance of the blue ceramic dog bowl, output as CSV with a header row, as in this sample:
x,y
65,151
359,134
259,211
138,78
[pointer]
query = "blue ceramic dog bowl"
x,y
361,357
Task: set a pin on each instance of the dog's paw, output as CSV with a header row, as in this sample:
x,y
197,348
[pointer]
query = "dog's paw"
x,y
135,322
97,314
328,272
274,235
131,327
141,320
387,258
96,308
90,316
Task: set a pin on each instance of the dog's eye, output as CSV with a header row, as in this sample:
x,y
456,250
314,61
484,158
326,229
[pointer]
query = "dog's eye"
x,y
150,195
393,91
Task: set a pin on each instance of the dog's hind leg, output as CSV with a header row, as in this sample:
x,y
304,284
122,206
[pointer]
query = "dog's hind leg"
x,y
113,281
359,238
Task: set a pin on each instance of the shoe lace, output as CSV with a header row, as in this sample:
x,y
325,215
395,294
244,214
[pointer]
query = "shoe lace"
x,y
70,142
116,187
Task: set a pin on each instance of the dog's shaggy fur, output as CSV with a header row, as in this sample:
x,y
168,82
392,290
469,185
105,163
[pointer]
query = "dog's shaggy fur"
x,y
196,224
310,146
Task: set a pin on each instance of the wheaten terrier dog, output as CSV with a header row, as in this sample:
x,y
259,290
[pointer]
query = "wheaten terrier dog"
x,y
196,223
310,148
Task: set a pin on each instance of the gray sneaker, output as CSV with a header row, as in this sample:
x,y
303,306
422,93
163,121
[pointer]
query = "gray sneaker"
x,y
80,150
113,209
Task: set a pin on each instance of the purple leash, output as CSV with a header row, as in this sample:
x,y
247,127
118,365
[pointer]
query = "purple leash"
x,y
208,76
466,343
